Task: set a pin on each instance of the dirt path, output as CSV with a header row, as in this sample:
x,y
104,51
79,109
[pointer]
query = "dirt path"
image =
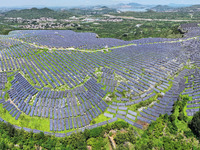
x,y
13,104
112,142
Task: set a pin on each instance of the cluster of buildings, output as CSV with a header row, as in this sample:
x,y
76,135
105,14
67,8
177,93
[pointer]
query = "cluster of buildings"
x,y
47,25
44,22
41,23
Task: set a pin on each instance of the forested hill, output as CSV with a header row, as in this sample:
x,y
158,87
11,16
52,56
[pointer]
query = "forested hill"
x,y
98,10
166,8
35,13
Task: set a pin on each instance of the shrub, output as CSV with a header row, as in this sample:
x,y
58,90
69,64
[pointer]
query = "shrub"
x,y
96,143
96,132
180,116
120,138
122,147
110,134
93,121
188,133
172,117
119,125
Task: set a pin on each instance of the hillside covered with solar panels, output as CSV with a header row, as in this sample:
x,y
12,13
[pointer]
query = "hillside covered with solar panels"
x,y
60,81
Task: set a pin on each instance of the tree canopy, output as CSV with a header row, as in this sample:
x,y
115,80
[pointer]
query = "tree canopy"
x,y
194,125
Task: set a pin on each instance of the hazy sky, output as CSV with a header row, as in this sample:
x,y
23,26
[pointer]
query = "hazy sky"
x,y
47,3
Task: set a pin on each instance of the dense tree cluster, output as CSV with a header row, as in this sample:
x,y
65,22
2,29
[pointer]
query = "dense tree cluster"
x,y
195,124
11,138
162,15
130,29
5,29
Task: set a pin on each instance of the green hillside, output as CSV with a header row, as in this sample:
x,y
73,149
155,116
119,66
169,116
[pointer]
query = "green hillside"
x,y
35,13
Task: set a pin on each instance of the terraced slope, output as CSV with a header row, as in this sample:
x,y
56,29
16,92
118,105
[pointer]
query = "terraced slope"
x,y
61,81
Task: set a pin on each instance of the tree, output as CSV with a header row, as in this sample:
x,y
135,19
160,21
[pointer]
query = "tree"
x,y
122,147
11,129
131,136
181,116
3,145
120,138
86,134
194,125
172,117
96,132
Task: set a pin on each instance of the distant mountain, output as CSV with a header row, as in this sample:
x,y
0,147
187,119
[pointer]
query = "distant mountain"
x,y
64,12
179,5
35,13
193,8
4,9
176,8
163,8
95,10
158,8
131,6
136,5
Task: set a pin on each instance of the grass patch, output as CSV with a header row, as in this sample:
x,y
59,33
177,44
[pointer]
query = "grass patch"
x,y
26,121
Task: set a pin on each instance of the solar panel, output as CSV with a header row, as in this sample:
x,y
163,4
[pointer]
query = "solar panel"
x,y
111,110
55,114
43,111
70,112
67,123
74,112
32,110
36,110
112,120
86,120
77,111
88,115
59,125
95,112
97,109
55,125
132,112
63,112
81,110
59,115
130,117
47,112
51,124
79,122
24,110
13,110
92,113
75,123
108,115
70,123
51,113
17,116
62,125
39,111
82,121
121,112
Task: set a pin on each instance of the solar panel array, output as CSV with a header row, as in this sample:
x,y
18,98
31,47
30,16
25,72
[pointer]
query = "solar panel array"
x,y
68,38
193,90
72,87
